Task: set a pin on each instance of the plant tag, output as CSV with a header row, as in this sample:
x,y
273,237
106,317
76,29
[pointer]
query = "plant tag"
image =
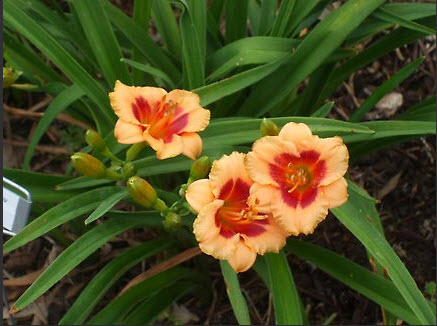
x,y
16,207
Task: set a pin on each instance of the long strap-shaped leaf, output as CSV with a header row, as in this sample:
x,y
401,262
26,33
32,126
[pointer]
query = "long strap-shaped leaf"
x,y
360,279
324,39
149,310
140,38
192,58
286,300
386,87
105,278
115,311
58,215
73,256
59,104
354,219
235,295
106,205
56,53
102,40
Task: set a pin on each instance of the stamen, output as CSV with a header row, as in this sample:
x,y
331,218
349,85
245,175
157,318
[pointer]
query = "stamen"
x,y
297,177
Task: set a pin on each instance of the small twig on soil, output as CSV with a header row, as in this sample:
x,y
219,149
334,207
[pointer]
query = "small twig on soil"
x,y
41,148
40,104
36,115
176,260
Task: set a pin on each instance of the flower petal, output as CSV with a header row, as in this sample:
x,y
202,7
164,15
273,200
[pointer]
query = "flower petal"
x,y
171,148
335,193
243,258
156,144
228,167
192,144
271,240
189,103
295,132
296,220
336,156
264,152
124,98
204,226
128,133
220,247
261,196
199,194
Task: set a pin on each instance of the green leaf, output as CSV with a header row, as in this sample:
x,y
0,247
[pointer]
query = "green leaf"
x,y
118,308
389,16
282,19
101,39
235,295
356,221
165,23
265,15
149,310
141,15
386,87
139,37
317,46
59,104
374,287
150,70
286,300
81,182
215,91
40,185
236,19
409,11
77,252
56,53
377,49
302,9
60,214
323,111
392,128
26,60
106,205
192,58
248,51
423,111
107,277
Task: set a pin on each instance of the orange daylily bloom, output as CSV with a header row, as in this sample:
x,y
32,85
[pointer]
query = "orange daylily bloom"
x,y
168,122
231,224
299,175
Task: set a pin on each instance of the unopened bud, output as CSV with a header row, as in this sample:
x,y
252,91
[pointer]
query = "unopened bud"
x,y
141,191
129,170
172,221
93,139
9,77
200,168
134,150
269,128
88,165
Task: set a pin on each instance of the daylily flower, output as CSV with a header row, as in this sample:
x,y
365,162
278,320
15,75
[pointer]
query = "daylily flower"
x,y
299,175
231,224
168,122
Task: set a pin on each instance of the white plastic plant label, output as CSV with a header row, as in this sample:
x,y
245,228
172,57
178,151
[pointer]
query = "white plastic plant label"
x,y
16,207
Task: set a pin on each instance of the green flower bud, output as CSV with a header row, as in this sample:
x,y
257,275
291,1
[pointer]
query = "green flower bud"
x,y
129,170
88,165
142,192
200,168
172,221
93,139
269,128
134,150
9,77
113,172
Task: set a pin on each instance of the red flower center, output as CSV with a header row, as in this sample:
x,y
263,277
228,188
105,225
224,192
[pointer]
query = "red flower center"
x,y
162,119
236,216
298,176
